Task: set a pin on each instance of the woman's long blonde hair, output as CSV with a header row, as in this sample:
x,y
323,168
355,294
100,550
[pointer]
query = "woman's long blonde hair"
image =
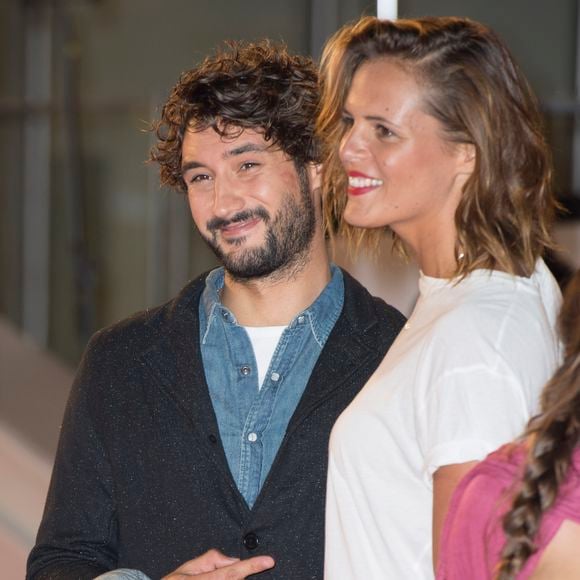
x,y
477,92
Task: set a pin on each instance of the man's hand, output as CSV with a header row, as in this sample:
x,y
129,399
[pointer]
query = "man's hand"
x,y
213,565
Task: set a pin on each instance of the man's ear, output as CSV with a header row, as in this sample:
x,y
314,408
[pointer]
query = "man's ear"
x,y
315,175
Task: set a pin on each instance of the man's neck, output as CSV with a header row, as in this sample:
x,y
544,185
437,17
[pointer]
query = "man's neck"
x,y
276,300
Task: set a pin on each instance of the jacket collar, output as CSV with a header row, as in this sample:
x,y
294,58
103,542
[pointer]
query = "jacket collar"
x,y
174,359
321,314
174,356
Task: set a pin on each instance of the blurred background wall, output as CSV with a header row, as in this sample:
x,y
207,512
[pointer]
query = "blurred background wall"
x,y
87,236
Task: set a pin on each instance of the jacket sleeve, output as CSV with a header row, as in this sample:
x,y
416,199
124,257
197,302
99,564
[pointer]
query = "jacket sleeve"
x,y
78,533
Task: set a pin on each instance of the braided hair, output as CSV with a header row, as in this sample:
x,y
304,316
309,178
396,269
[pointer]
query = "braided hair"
x,y
553,435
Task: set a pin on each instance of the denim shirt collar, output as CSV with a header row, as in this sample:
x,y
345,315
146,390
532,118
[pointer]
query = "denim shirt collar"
x,y
321,314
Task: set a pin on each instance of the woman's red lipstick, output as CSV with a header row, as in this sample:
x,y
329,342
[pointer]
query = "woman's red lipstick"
x,y
359,183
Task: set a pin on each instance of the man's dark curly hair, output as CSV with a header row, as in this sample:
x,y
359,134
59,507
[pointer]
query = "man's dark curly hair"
x,y
256,86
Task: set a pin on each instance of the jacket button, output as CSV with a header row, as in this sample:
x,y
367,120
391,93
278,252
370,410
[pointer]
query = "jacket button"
x,y
212,438
251,541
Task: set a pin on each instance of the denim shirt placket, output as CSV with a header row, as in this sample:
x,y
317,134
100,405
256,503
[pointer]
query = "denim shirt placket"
x,y
253,421
251,473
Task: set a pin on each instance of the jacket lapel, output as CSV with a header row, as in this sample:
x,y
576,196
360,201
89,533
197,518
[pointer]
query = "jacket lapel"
x,y
356,341
174,362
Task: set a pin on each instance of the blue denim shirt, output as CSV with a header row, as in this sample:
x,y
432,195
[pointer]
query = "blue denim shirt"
x,y
252,421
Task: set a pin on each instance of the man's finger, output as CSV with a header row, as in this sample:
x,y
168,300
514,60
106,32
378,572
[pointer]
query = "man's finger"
x,y
207,562
245,568
211,560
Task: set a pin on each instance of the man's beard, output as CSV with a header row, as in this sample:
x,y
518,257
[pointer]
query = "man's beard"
x,y
287,239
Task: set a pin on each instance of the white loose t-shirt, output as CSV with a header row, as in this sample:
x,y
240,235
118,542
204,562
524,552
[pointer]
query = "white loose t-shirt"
x,y
462,378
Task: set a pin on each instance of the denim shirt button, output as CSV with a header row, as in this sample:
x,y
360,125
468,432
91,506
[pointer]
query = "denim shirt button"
x,y
301,319
275,377
245,370
252,437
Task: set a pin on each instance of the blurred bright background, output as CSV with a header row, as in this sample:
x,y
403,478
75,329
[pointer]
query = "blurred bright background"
x,y
86,234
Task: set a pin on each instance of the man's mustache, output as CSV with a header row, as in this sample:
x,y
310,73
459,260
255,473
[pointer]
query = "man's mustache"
x,y
242,216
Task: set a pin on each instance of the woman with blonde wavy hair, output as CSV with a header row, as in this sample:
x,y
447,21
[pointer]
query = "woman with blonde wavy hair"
x,y
517,513
432,132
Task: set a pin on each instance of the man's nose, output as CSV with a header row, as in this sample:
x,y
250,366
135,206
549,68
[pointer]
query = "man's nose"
x,y
228,199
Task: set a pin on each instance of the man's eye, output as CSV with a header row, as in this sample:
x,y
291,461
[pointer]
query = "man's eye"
x,y
199,178
248,165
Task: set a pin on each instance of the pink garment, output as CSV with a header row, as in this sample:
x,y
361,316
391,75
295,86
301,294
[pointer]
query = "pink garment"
x,y
473,538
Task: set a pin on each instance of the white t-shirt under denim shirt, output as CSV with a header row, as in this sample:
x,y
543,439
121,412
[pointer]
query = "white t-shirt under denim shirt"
x,y
462,378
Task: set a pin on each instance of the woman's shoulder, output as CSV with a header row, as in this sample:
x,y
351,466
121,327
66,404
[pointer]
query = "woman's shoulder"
x,y
489,312
500,466
480,492
569,495
471,532
471,329
502,469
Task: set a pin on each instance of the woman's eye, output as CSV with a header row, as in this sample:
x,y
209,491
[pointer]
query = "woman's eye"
x,y
383,131
346,121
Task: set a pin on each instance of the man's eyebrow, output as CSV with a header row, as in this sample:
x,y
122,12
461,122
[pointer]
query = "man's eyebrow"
x,y
247,148
190,165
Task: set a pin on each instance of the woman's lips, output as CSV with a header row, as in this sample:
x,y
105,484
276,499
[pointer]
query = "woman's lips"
x,y
359,183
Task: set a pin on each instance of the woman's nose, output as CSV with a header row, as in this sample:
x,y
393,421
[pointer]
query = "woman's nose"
x,y
352,146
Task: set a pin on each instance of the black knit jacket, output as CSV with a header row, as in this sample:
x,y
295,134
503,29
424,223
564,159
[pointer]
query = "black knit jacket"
x,y
141,479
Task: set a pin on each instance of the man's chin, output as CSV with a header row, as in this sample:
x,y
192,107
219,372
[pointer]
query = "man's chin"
x,y
242,263
247,271
236,256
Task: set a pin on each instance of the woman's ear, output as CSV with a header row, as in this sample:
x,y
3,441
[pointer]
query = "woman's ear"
x,y
467,155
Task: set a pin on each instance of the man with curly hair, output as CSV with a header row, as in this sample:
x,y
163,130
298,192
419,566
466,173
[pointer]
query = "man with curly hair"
x,y
201,427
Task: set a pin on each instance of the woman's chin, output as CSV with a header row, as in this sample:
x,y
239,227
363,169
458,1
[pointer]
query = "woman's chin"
x,y
353,216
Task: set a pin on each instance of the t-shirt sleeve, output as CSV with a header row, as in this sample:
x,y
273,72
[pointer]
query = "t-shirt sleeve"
x,y
469,413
